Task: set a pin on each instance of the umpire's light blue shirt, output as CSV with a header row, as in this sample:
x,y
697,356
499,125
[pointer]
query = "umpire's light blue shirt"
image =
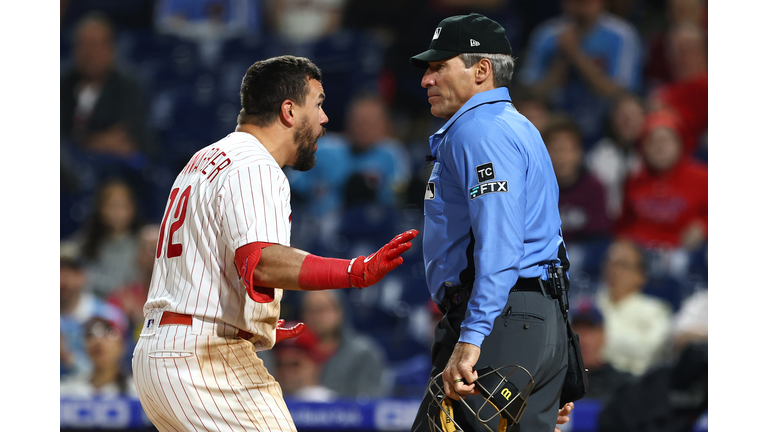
x,y
493,178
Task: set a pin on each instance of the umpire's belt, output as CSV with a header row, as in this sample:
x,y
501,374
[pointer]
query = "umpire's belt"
x,y
457,294
171,318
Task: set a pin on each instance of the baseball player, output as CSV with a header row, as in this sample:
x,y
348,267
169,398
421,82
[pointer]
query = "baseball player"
x,y
223,259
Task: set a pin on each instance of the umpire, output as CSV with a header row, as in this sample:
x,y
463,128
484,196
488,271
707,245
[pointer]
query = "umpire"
x,y
491,226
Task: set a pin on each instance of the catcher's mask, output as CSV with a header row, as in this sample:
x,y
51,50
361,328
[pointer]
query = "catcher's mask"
x,y
501,396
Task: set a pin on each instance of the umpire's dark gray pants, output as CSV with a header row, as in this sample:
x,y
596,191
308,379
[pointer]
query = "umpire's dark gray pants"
x,y
533,335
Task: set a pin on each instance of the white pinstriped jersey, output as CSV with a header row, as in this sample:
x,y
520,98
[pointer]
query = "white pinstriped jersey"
x,y
230,193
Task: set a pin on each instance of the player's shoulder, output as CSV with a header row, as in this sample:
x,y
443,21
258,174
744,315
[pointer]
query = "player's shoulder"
x,y
245,150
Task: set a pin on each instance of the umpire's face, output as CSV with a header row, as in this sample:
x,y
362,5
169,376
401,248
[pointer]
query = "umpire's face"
x,y
449,86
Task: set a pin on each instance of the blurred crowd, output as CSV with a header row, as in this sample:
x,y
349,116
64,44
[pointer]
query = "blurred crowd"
x,y
617,88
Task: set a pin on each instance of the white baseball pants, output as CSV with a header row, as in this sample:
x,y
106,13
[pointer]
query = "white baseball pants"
x,y
203,378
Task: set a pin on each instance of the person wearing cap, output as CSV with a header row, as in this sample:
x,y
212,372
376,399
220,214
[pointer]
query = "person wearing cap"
x,y
604,379
298,366
77,306
491,227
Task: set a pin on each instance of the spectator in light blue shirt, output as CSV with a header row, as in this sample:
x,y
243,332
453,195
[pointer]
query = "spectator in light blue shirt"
x,y
363,165
581,60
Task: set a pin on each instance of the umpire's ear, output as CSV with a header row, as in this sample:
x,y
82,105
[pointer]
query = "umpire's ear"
x,y
288,113
483,70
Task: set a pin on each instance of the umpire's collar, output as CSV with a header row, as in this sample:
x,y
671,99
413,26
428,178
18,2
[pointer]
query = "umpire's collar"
x,y
499,94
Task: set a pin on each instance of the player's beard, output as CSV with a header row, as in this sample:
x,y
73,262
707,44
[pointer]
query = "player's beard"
x,y
305,139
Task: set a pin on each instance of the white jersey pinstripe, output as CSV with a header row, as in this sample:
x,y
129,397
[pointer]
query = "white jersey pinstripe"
x,y
202,377
247,200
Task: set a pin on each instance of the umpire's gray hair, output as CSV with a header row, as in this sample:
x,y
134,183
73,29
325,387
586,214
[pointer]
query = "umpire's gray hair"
x,y
503,66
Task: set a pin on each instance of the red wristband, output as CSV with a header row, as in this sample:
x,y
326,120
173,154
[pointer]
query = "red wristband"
x,y
318,273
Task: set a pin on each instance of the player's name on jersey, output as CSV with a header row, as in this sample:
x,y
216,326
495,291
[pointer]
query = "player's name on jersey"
x,y
209,162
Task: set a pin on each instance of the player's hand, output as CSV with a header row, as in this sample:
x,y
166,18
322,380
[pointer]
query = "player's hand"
x,y
366,271
459,374
562,415
282,333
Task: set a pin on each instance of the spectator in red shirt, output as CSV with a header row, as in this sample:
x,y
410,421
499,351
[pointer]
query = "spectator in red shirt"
x,y
658,69
688,93
666,202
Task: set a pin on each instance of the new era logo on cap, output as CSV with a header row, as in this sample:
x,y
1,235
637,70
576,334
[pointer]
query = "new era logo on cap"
x,y
462,34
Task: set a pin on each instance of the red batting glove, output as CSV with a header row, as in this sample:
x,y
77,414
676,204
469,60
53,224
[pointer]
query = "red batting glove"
x,y
287,333
366,271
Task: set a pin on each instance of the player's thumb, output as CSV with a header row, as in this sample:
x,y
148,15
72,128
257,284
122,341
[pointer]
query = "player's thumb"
x,y
287,333
393,264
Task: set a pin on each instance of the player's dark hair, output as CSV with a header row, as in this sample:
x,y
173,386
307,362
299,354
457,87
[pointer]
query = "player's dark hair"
x,y
558,124
270,82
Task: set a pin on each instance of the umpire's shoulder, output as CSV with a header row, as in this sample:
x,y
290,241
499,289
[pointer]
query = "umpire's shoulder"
x,y
489,124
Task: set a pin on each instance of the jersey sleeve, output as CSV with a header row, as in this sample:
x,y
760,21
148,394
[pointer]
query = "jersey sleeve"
x,y
255,206
491,169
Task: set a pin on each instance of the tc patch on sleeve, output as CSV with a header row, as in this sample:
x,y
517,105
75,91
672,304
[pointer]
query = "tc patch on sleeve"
x,y
486,188
485,172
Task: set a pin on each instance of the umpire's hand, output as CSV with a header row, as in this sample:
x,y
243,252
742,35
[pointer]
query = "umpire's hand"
x,y
563,415
459,374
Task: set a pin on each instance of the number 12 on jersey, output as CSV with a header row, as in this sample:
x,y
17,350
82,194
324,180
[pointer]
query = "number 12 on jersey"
x,y
173,249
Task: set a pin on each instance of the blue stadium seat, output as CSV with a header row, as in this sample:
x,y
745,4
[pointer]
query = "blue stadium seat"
x,y
698,265
411,376
248,49
187,116
92,170
351,62
371,223
587,256
159,61
666,288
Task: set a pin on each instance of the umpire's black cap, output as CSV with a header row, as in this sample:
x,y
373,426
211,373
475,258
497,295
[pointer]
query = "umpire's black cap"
x,y
473,33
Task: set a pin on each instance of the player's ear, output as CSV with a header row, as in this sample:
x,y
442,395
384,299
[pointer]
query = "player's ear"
x,y
287,112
